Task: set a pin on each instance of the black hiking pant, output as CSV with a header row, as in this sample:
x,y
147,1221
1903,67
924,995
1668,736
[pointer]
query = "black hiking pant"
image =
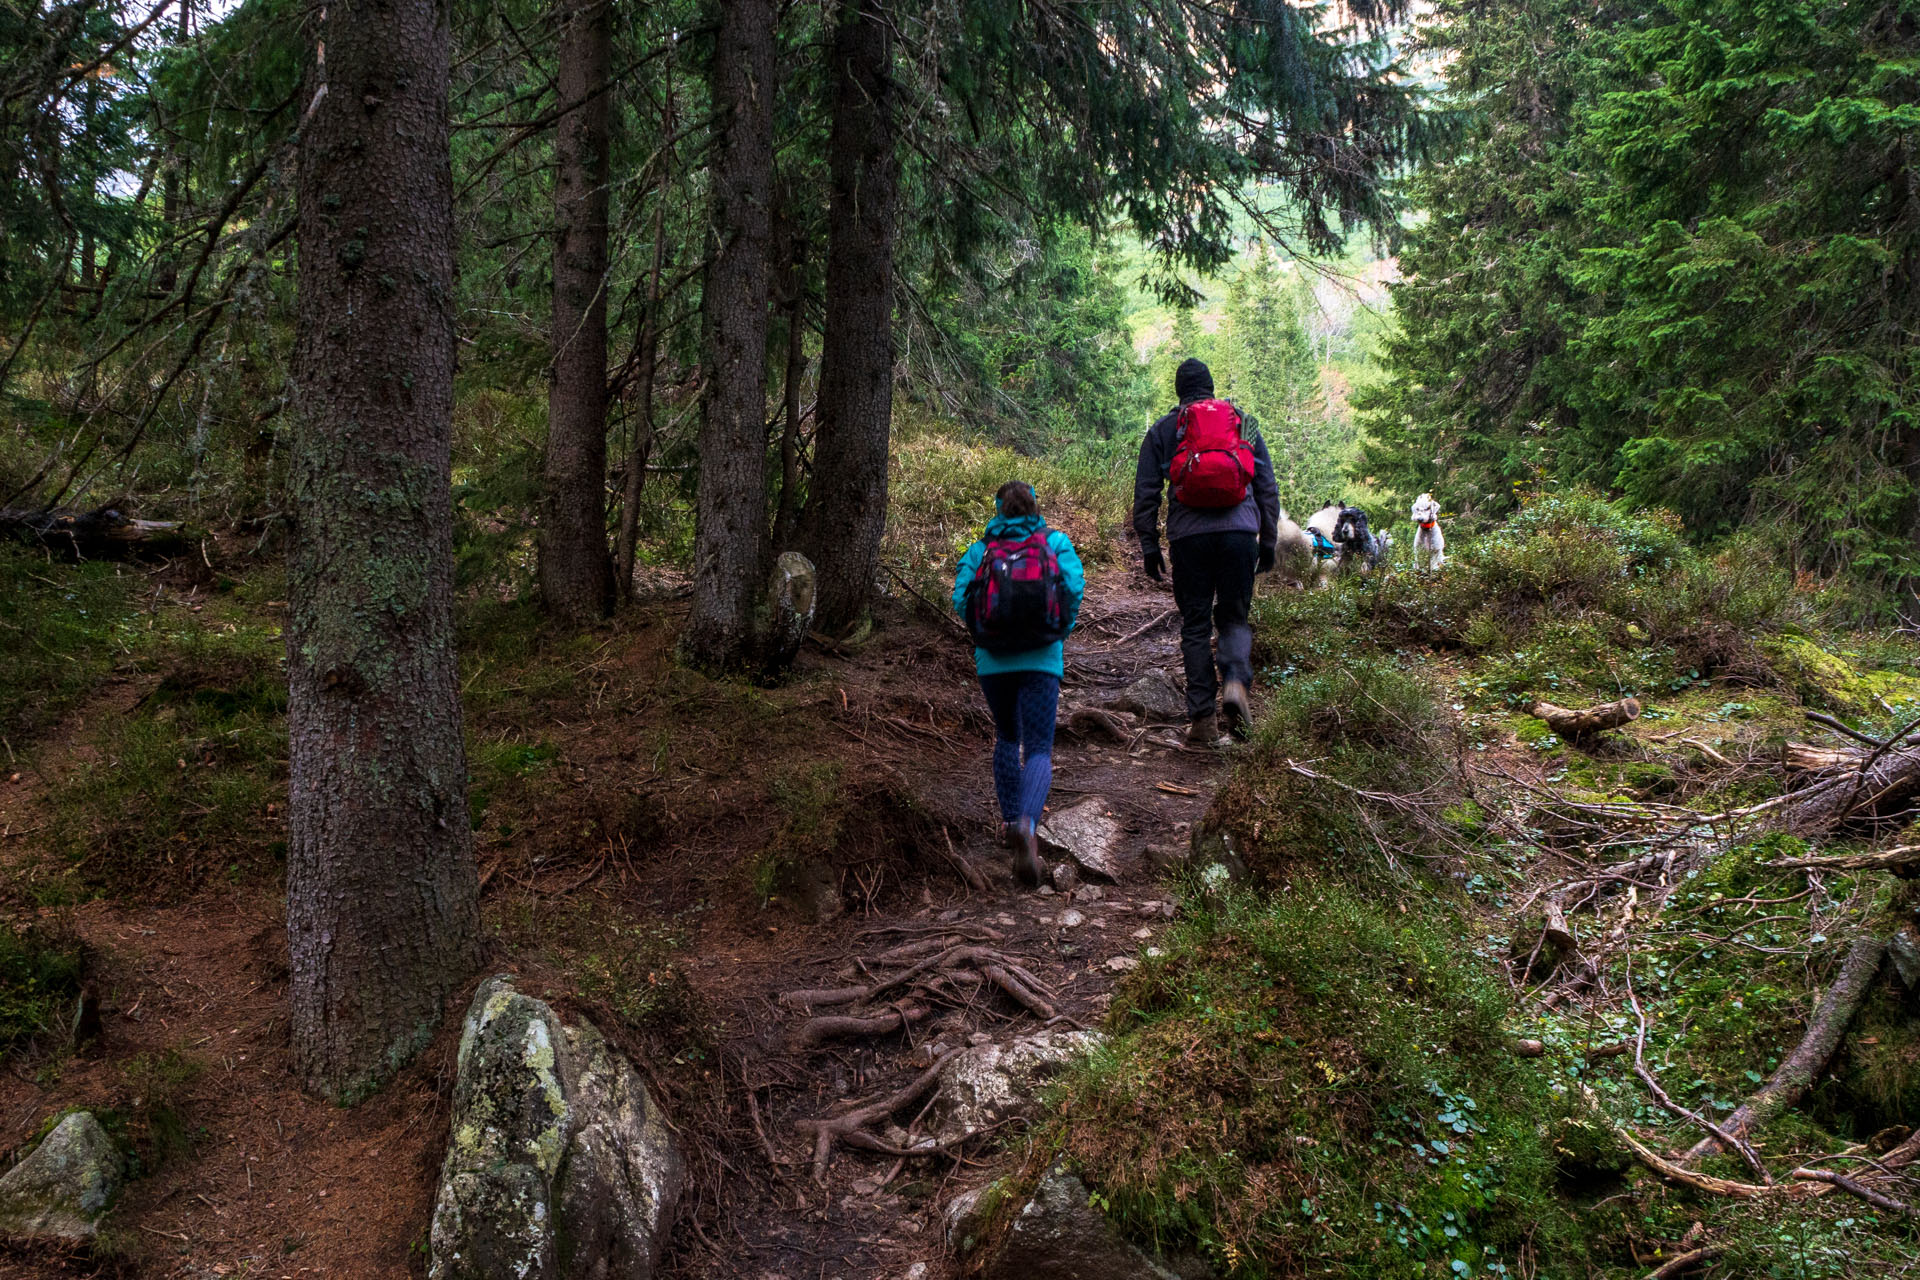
x,y
1213,586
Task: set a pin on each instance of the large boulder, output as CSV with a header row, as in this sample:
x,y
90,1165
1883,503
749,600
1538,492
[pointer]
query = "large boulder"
x,y
561,1166
1056,1235
60,1191
990,1083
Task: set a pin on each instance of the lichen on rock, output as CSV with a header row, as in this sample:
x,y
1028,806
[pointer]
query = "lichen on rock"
x,y
560,1166
61,1190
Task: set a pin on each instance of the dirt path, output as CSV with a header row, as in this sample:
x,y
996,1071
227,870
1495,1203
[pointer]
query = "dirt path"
x,y
878,1215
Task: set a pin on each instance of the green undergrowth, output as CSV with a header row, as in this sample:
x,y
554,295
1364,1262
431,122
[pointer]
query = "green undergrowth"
x,y
1359,722
40,971
1317,1081
941,489
62,629
184,787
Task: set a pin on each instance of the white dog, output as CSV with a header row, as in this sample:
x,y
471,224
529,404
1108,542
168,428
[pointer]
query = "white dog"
x,y
1429,544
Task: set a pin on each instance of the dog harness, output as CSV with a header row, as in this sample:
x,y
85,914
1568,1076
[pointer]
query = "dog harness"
x,y
1323,549
1428,524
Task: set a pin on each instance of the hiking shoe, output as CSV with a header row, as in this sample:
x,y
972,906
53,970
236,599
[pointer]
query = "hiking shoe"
x,y
1238,715
1203,731
1009,836
1026,855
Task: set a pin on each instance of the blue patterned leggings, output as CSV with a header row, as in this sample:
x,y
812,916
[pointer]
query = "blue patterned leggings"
x,y
1024,705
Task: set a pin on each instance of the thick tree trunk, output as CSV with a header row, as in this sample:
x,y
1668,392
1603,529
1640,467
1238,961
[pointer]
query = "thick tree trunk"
x,y
847,499
729,573
382,900
576,568
794,292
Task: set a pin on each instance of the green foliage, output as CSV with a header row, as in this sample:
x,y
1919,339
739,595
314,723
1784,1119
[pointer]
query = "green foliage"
x,y
1671,263
40,967
62,628
186,786
1318,1081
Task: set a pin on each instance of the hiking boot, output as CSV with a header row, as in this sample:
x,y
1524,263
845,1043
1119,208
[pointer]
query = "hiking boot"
x,y
1237,713
1203,730
1026,854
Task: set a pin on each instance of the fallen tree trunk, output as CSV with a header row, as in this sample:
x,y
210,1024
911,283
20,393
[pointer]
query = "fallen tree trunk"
x,y
1881,786
1824,1029
1569,722
100,534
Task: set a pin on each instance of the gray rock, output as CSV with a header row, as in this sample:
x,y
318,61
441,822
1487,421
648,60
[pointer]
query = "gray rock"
x,y
1904,947
1070,918
60,1191
1065,876
561,1166
989,1083
1155,697
1059,1235
1087,835
1216,856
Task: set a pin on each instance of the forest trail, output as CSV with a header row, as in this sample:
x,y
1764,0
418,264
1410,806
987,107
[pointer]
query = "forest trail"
x,y
879,1215
247,1175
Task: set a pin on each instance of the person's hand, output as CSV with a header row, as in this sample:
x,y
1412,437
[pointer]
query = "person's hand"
x,y
1154,563
1266,561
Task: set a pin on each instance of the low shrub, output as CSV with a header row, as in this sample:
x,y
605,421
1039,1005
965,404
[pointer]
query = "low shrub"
x,y
40,970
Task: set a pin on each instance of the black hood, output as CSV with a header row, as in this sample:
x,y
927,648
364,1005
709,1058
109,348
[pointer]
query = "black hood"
x,y
1193,381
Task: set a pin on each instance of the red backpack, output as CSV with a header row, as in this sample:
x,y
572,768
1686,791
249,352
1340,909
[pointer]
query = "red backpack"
x,y
1212,463
1018,597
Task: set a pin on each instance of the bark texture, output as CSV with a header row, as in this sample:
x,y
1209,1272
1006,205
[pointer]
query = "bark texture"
x,y
729,568
847,499
576,567
382,901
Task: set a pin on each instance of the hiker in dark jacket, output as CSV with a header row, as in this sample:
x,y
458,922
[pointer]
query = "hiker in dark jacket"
x,y
1216,552
1023,687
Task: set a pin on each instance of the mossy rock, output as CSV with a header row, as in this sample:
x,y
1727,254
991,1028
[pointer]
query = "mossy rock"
x,y
1828,680
62,1189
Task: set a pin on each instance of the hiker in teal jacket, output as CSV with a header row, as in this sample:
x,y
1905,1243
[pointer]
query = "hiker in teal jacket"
x,y
1022,689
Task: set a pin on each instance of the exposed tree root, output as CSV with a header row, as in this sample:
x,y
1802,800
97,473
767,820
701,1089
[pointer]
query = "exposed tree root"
x,y
1824,1029
839,1027
834,1128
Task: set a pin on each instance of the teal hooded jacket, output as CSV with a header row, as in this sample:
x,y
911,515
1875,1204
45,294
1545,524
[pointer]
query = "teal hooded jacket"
x,y
1051,658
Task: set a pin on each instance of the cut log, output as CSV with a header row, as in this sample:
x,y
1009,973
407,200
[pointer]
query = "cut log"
x,y
102,534
1830,1018
1880,787
1571,723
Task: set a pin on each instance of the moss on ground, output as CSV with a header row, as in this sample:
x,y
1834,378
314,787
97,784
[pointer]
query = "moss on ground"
x,y
1320,1079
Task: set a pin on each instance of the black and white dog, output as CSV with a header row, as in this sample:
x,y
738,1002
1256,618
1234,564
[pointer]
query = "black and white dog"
x,y
1342,540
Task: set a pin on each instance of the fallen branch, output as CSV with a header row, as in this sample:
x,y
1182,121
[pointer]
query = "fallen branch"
x,y
1855,1188
1906,855
1795,1075
1661,1096
1135,634
943,615
1569,722
1682,1261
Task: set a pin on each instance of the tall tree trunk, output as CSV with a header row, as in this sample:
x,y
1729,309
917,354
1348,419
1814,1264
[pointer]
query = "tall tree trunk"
x,y
728,572
793,256
646,376
576,569
382,900
847,499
